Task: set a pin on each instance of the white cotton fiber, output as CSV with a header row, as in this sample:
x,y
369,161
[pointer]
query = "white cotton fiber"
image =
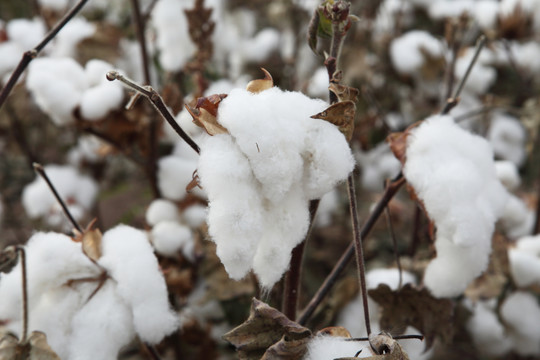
x,y
323,347
517,219
26,33
507,173
482,76
195,215
452,173
260,178
169,237
130,261
377,165
406,51
56,5
525,261
76,30
521,313
487,332
99,100
174,174
507,136
161,210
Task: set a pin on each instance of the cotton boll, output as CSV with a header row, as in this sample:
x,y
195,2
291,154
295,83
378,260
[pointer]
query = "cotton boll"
x,y
184,119
378,165
318,84
389,277
482,76
102,326
130,261
487,332
524,267
507,137
329,347
327,206
169,237
10,56
161,210
485,13
76,30
261,45
195,215
98,101
26,33
530,244
56,5
521,312
406,54
517,219
174,174
444,9
95,72
508,174
87,150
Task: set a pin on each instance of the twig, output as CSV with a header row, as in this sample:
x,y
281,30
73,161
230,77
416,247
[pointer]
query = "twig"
x,y
454,100
397,337
330,280
293,276
22,254
158,103
361,268
139,29
41,171
31,54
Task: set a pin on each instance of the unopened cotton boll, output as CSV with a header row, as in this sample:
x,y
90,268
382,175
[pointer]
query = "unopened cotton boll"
x,y
161,210
452,173
170,237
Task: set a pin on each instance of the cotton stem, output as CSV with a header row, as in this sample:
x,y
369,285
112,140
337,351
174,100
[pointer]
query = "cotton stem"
x,y
41,171
158,103
32,54
22,255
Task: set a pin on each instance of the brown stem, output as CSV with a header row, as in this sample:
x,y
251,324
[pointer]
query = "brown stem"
x,y
537,221
415,237
292,278
22,254
357,240
397,337
158,103
41,171
31,54
330,280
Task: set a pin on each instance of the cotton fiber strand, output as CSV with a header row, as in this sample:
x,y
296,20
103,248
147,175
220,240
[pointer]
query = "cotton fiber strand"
x,y
453,174
260,178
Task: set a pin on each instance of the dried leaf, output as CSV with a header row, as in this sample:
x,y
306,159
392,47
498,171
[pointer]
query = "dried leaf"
x,y
35,348
287,349
205,114
340,114
8,259
336,331
409,306
344,93
256,86
91,241
264,328
313,29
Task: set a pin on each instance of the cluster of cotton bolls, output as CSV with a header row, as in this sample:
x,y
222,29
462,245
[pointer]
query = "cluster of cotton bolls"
x,y
516,328
260,177
88,309
77,190
453,173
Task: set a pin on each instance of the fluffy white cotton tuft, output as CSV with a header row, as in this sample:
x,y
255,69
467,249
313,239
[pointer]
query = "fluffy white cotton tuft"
x,y
260,178
517,219
330,347
130,261
174,174
378,165
482,75
407,51
507,136
161,210
487,332
508,174
195,215
521,313
76,30
525,261
170,237
452,173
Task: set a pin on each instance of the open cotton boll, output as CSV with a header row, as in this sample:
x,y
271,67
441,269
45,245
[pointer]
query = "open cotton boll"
x,y
161,210
406,51
525,261
98,101
76,30
507,173
327,206
487,332
56,5
26,33
517,219
482,76
130,261
452,173
387,13
174,174
261,45
521,313
323,347
56,85
507,136
444,9
318,84
87,150
170,237
195,215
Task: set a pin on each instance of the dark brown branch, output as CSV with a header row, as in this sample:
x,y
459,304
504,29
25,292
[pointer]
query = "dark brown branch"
x,y
397,337
22,255
342,263
139,29
41,171
31,54
158,103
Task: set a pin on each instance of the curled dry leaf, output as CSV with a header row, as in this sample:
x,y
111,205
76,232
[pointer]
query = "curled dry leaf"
x,y
336,331
205,114
91,241
398,142
409,306
35,348
258,85
264,328
344,93
340,114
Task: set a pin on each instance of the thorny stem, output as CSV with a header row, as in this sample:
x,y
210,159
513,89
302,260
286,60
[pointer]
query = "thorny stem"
x,y
41,171
158,103
361,268
31,54
330,280
394,243
293,276
22,254
453,101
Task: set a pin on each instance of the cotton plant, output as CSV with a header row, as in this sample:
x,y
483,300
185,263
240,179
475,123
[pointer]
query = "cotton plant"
x,y
79,192
453,176
260,168
91,295
524,259
508,138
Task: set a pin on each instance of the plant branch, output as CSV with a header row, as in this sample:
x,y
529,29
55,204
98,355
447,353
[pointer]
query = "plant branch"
x,y
454,100
158,103
32,54
330,280
22,254
41,171
397,337
361,268
292,278
139,29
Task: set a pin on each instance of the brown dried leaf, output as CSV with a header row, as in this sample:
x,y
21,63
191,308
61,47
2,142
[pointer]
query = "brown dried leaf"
x,y
205,114
8,259
409,306
35,348
336,331
264,328
287,349
256,86
340,114
91,241
344,93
